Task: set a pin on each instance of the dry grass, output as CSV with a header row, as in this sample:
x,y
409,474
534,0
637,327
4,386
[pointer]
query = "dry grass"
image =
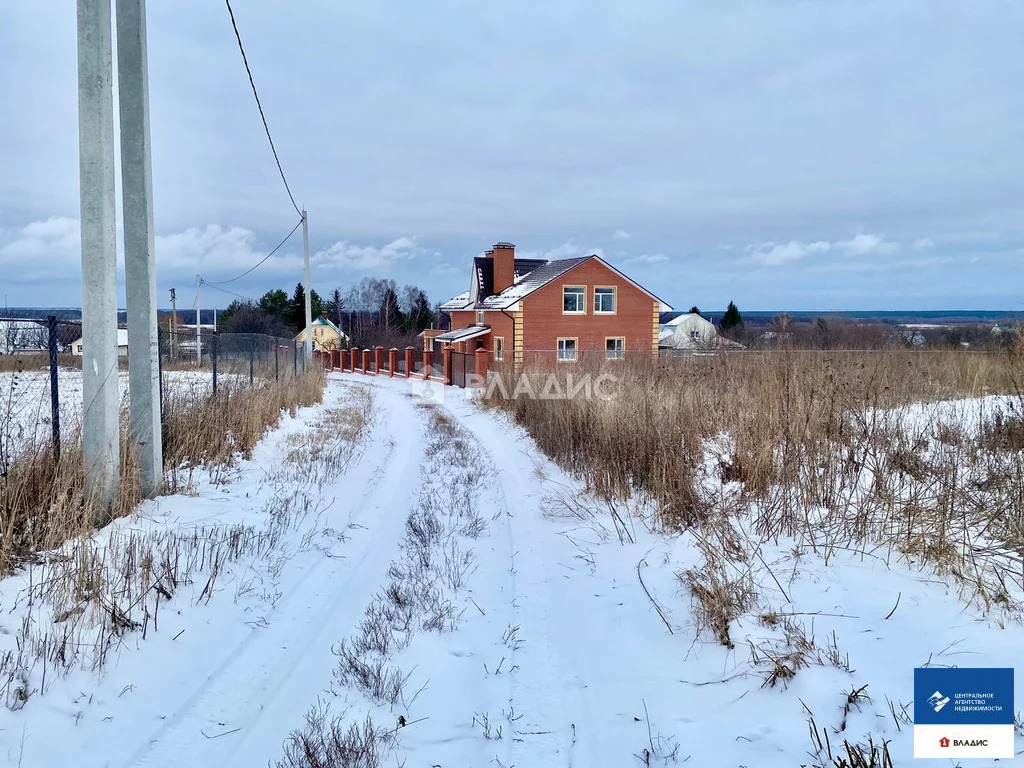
x,y
79,599
41,500
834,452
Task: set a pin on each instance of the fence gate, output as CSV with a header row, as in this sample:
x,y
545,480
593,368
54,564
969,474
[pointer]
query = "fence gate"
x,y
459,363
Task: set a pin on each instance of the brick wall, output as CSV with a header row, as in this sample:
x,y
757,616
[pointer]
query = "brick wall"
x,y
635,318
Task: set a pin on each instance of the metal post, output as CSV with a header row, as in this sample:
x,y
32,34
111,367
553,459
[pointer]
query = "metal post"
x,y
252,356
139,248
199,327
295,358
213,361
54,390
309,290
174,321
100,449
277,365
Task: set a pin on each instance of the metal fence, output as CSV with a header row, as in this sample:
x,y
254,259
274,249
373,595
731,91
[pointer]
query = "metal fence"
x,y
32,347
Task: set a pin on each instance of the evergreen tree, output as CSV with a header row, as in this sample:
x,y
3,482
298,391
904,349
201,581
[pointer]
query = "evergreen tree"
x,y
336,307
296,313
317,306
695,310
732,320
390,313
232,308
419,314
275,303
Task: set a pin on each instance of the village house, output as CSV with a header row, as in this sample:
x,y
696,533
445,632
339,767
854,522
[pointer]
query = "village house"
x,y
563,310
690,331
78,345
326,335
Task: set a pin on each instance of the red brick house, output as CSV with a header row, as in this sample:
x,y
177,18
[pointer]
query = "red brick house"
x,y
564,310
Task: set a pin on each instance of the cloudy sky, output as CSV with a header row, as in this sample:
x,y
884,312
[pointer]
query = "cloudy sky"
x,y
787,154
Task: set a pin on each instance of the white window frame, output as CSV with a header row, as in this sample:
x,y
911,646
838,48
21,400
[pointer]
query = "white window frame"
x,y
615,299
577,290
621,351
479,317
499,348
563,350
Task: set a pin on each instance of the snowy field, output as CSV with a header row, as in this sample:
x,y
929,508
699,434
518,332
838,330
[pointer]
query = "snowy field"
x,y
416,579
25,412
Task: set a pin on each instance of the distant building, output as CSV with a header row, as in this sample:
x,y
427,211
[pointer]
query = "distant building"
x,y
534,309
693,332
326,335
78,346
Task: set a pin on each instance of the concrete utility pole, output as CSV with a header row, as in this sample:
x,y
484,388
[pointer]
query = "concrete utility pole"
x,y
139,246
174,323
100,450
309,291
199,326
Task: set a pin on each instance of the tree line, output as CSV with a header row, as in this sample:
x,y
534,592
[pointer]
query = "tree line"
x,y
374,311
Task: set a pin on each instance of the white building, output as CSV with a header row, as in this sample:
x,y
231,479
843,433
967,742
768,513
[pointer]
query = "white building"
x,y
122,344
691,331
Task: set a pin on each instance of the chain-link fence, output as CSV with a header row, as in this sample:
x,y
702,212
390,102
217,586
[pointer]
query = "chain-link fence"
x,y
41,372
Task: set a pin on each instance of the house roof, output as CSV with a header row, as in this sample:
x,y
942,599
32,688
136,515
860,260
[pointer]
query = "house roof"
x,y
530,275
322,321
483,273
122,338
464,334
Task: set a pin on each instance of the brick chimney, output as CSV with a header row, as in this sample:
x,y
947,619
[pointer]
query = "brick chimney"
x,y
504,256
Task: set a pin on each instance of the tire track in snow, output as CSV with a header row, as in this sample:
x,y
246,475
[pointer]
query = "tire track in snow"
x,y
575,697
274,674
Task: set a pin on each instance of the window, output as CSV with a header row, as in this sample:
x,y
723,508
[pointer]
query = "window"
x,y
614,347
695,335
567,350
574,300
499,348
604,300
479,317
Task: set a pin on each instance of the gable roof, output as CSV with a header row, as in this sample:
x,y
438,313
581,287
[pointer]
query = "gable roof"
x,y
530,275
483,273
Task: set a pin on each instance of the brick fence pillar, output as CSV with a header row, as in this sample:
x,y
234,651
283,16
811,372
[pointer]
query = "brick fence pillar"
x,y
336,358
446,354
428,361
378,358
366,360
342,359
481,367
408,361
392,361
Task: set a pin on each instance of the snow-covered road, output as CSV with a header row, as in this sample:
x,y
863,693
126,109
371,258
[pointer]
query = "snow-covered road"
x,y
557,654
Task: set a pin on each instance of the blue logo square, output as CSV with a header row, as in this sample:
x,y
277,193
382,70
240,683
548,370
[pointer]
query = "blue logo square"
x,y
963,696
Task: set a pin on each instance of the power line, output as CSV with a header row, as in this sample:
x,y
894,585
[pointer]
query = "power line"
x,y
266,127
224,290
260,262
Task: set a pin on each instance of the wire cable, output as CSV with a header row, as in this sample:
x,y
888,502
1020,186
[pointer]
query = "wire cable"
x,y
260,262
230,293
266,127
